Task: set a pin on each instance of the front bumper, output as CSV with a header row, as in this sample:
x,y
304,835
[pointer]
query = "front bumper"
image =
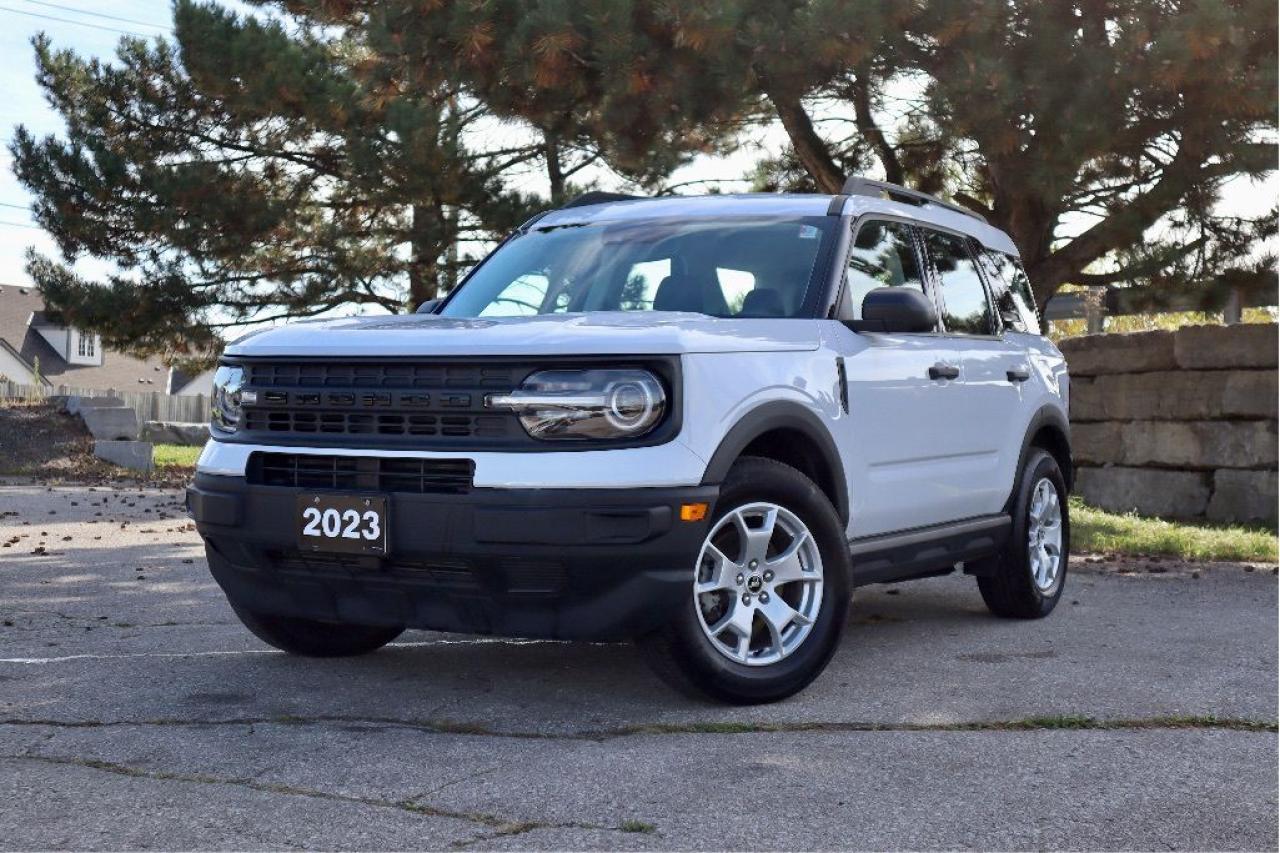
x,y
557,563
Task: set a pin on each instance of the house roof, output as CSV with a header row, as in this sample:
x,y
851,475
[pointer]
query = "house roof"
x,y
22,313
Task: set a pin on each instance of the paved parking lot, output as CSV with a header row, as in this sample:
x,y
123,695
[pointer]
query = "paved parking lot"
x,y
135,712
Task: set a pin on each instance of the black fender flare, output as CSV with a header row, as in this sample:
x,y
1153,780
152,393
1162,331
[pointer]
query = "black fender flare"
x,y
774,415
1050,416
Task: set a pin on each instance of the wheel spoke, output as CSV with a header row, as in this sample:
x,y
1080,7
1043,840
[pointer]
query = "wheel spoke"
x,y
755,543
723,574
787,566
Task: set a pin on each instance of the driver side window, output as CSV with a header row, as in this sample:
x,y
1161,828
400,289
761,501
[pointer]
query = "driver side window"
x,y
883,255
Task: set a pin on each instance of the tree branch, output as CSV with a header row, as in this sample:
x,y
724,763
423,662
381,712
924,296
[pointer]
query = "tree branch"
x,y
810,149
867,126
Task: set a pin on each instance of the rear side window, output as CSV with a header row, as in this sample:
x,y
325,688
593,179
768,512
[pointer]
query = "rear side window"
x,y
882,256
965,307
1011,290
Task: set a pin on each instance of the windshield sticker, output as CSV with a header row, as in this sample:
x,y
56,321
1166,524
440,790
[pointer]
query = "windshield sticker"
x,y
808,232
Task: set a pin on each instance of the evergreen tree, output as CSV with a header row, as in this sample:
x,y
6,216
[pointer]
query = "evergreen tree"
x,y
1075,125
259,170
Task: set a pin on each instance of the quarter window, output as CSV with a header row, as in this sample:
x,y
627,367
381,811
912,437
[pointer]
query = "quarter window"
x,y
882,256
1011,291
965,307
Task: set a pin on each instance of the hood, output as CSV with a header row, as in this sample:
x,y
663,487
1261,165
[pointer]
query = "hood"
x,y
604,333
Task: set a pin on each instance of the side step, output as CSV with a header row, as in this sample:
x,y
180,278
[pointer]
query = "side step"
x,y
926,550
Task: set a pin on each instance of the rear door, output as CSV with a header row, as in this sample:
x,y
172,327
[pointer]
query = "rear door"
x,y
986,431
897,441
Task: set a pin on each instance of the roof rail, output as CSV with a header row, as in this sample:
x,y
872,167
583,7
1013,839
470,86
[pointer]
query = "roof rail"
x,y
858,185
598,197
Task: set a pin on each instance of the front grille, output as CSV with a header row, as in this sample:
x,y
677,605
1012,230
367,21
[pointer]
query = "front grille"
x,y
386,375
394,403
361,473
360,423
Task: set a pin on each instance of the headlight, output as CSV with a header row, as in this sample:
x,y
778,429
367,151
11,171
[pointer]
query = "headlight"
x,y
228,396
568,404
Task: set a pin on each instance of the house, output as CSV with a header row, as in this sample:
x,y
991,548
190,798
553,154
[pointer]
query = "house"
x,y
35,350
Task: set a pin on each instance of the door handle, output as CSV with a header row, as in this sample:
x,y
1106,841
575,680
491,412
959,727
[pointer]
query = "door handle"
x,y
1018,374
942,370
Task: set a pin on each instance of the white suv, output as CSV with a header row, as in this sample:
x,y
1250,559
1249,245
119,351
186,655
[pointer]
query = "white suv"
x,y
698,422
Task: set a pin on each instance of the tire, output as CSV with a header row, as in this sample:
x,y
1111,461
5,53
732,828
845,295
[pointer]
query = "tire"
x,y
309,638
1012,585
776,661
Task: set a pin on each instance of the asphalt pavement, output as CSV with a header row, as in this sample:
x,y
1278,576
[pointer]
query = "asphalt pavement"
x,y
136,712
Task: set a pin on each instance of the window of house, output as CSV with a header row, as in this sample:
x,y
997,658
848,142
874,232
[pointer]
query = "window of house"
x,y
86,345
882,256
965,307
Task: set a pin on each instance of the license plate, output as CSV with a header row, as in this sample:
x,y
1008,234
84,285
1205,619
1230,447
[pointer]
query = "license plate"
x,y
346,523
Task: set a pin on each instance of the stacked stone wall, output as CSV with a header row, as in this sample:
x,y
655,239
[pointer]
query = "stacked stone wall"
x,y
1177,424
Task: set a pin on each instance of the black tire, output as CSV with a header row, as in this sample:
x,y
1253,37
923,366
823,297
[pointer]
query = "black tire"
x,y
313,639
1006,580
683,655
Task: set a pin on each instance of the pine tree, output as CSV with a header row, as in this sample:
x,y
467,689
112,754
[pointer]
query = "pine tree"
x,y
258,170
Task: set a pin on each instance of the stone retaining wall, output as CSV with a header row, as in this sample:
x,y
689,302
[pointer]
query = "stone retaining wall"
x,y
1177,424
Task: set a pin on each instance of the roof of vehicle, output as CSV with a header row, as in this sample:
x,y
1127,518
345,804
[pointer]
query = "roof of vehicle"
x,y
622,209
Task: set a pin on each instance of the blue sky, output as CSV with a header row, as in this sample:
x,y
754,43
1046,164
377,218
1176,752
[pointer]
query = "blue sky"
x,y
93,27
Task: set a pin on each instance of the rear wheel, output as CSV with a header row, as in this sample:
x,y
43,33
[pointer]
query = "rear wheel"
x,y
1025,580
310,638
769,592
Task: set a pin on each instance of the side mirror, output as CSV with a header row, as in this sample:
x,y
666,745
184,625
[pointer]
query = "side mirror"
x,y
429,307
896,309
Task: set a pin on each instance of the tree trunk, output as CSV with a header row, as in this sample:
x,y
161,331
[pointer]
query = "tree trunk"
x,y
422,284
555,170
812,152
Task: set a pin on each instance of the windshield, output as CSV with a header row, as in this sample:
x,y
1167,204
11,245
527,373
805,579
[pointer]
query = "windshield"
x,y
740,267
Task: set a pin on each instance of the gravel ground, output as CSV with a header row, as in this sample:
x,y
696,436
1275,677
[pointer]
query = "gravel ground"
x,y
135,712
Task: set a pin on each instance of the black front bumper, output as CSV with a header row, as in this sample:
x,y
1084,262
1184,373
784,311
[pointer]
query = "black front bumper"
x,y
561,563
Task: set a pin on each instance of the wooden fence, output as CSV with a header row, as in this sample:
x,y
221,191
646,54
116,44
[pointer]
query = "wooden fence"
x,y
150,405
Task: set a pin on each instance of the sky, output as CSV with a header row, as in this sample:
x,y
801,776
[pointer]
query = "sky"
x,y
92,27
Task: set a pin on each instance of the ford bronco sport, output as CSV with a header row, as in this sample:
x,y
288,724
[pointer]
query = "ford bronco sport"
x,y
696,422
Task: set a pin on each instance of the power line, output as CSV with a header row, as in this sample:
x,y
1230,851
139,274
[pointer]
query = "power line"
x,y
21,225
15,206
69,21
96,14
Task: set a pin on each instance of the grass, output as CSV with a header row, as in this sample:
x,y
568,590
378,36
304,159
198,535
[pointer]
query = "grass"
x,y
637,826
174,456
1096,531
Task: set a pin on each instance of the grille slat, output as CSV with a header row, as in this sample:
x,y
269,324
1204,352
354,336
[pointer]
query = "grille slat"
x,y
361,473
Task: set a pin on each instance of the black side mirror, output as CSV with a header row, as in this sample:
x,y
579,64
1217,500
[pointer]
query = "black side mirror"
x,y
896,309
429,307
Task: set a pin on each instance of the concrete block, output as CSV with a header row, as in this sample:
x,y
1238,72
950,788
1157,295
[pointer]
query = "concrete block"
x,y
175,432
76,404
113,424
1096,443
1147,491
1244,497
1218,347
1131,352
1195,444
135,455
1250,394
1175,395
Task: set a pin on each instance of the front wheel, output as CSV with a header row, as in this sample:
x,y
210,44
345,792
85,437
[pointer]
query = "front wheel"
x,y
768,595
310,638
1025,580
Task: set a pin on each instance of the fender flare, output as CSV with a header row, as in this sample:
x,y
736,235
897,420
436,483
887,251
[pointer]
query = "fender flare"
x,y
774,415
1050,416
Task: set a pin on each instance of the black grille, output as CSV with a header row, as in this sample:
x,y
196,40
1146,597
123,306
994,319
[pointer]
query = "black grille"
x,y
395,403
368,423
388,375
361,473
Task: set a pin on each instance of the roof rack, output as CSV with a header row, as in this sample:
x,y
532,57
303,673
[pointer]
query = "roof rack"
x,y
858,185
598,197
